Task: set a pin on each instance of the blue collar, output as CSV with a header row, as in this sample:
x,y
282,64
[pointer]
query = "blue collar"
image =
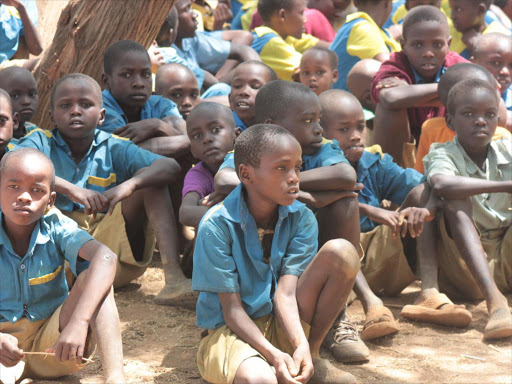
x,y
419,80
99,137
39,236
239,122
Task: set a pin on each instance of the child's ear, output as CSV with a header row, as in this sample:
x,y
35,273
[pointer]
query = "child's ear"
x,y
244,174
449,119
50,112
335,76
15,121
51,201
402,43
238,131
481,9
102,117
105,79
282,14
268,121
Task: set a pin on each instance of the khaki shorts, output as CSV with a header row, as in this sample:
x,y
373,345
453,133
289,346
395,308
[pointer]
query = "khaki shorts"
x,y
454,276
38,336
221,352
111,231
384,264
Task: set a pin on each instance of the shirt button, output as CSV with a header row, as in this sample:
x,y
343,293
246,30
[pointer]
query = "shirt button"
x,y
25,306
22,266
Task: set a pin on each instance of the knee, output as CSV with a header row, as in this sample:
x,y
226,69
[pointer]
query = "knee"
x,y
253,371
341,257
453,207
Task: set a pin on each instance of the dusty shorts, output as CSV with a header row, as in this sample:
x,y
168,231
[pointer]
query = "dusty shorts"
x,y
384,264
454,276
221,352
38,336
111,231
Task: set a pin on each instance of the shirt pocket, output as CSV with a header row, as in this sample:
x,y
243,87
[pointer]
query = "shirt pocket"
x,y
48,290
45,278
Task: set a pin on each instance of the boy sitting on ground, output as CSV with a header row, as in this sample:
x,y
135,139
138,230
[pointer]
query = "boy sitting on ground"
x,y
96,171
468,18
405,87
248,78
318,69
283,19
19,83
8,122
267,297
493,51
436,130
389,259
178,83
470,256
47,317
362,37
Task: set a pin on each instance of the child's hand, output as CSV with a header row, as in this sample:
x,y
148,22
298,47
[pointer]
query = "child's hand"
x,y
285,368
416,217
92,201
71,343
117,194
390,82
10,354
213,198
386,217
221,14
142,130
157,59
302,360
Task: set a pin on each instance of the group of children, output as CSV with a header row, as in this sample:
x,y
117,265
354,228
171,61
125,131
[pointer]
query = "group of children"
x,y
295,189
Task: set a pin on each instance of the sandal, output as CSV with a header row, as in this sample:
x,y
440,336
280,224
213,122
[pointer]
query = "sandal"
x,y
438,309
499,325
379,322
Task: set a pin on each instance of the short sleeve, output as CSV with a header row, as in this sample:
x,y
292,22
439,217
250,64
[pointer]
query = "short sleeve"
x,y
196,180
305,42
281,57
439,161
36,139
113,120
166,108
129,158
303,246
395,181
229,161
211,52
365,41
214,265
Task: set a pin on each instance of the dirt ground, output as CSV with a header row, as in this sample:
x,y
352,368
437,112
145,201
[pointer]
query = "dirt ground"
x,y
160,344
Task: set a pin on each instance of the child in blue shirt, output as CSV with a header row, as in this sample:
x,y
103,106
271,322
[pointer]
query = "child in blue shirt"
x,y
96,171
39,313
8,122
267,297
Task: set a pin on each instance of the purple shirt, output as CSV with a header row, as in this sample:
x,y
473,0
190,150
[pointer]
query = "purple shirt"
x,y
199,179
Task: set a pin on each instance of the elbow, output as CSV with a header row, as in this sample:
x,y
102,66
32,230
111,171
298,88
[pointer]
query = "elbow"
x,y
439,186
184,217
347,176
173,169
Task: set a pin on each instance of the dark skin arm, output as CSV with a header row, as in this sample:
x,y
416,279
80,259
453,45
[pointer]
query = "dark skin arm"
x,y
336,177
460,188
237,54
407,96
209,80
242,325
32,37
192,210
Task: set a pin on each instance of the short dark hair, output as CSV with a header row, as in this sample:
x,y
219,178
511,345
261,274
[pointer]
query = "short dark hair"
x,y
485,39
171,20
333,58
500,3
115,50
23,152
6,96
460,72
466,87
213,109
271,73
169,68
266,8
423,13
274,99
76,77
255,142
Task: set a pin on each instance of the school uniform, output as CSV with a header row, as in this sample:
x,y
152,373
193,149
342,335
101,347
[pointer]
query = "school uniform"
x,y
359,38
283,56
507,98
33,288
229,258
110,161
491,215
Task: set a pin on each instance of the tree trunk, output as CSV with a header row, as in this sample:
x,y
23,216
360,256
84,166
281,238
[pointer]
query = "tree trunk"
x,y
85,29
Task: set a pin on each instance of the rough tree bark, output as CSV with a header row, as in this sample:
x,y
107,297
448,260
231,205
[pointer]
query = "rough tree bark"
x,y
85,29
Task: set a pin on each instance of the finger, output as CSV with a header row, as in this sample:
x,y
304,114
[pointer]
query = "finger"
x,y
120,130
292,368
58,351
8,362
348,194
79,354
103,201
87,207
72,352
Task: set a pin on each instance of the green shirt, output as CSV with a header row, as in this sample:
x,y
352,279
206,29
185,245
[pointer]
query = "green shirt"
x,y
490,210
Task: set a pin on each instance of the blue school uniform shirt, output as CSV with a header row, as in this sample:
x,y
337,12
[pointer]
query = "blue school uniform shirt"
x,y
383,179
238,122
228,256
170,55
11,28
507,98
110,161
156,107
34,285
328,154
205,51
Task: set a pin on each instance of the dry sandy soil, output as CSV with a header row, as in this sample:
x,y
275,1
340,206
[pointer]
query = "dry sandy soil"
x,y
160,344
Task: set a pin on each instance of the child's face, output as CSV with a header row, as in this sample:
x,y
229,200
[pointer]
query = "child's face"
x,y
186,19
25,191
8,123
316,72
302,120
332,9
279,169
466,13
130,81
294,19
346,124
248,79
475,119
77,110
182,88
426,45
23,91
211,138
410,4
496,57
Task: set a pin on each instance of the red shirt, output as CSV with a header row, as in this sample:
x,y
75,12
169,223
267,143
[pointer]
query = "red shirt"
x,y
398,66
